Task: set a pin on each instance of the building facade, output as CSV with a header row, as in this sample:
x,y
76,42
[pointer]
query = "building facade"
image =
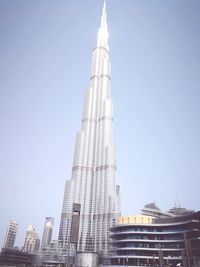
x,y
93,182
15,258
53,253
47,232
142,240
11,233
32,241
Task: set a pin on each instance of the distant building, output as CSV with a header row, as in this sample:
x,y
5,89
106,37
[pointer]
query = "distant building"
x,y
178,211
47,233
11,234
152,209
32,241
142,240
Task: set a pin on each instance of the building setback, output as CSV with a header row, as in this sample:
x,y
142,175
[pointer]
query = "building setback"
x,y
93,181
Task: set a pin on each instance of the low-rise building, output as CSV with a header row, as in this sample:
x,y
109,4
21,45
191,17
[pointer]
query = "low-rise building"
x,y
15,257
143,240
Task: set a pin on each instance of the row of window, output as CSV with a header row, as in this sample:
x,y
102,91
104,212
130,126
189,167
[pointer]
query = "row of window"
x,y
150,245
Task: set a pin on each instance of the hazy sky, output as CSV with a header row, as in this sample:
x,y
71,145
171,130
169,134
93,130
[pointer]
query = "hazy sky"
x,y
45,61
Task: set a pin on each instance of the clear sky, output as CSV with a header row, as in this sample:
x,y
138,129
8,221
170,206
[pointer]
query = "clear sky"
x,y
45,61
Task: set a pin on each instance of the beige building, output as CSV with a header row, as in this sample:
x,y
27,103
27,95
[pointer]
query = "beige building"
x,y
135,219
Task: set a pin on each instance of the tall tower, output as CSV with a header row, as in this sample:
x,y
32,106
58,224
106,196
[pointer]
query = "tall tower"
x,y
47,233
32,241
93,181
10,237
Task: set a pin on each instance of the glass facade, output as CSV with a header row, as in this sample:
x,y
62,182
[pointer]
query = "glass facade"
x,y
164,242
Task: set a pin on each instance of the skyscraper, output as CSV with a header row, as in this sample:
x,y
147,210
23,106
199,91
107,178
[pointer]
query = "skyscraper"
x,y
93,181
32,241
10,237
47,233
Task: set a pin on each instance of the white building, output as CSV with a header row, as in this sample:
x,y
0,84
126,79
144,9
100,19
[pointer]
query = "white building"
x,y
47,232
93,181
32,241
53,253
10,237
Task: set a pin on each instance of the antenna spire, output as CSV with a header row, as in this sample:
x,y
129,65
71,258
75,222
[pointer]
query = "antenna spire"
x,y
104,16
103,30
104,7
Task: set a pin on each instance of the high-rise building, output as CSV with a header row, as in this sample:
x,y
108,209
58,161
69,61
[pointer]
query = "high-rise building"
x,y
47,233
93,181
32,241
10,237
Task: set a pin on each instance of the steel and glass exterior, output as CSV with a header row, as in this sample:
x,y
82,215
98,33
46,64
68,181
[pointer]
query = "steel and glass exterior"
x,y
93,181
47,232
158,242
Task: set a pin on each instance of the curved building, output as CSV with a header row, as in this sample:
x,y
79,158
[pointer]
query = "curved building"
x,y
147,241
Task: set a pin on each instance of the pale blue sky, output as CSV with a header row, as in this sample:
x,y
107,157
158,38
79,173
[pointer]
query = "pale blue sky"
x,y
45,59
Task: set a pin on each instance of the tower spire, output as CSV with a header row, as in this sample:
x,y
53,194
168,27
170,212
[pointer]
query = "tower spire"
x,y
104,16
104,7
103,30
